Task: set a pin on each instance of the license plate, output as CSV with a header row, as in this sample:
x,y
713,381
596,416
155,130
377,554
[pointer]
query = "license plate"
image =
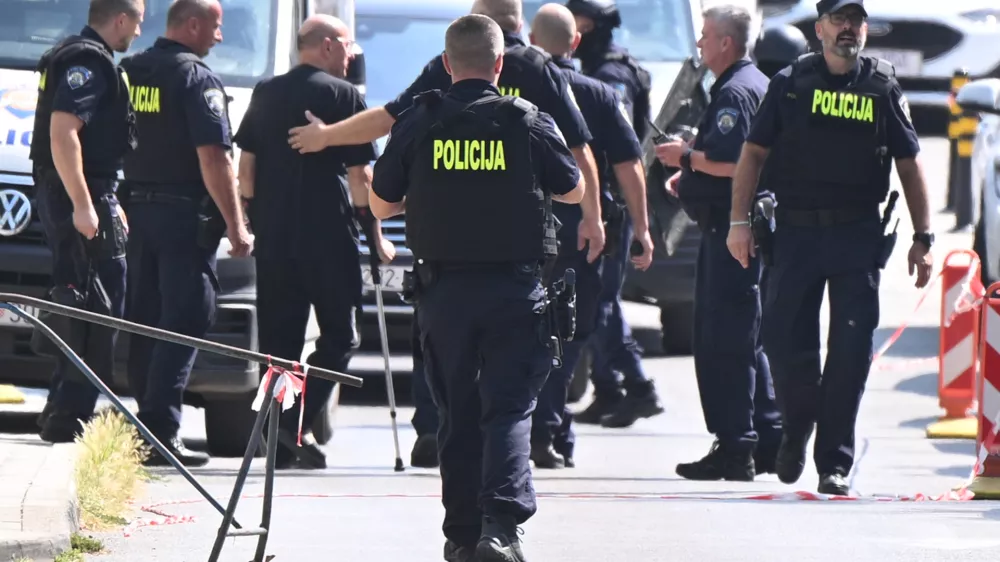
x,y
392,278
907,63
10,319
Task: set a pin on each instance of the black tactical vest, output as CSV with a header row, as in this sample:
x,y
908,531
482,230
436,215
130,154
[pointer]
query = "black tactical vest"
x,y
641,104
111,132
473,196
166,156
833,151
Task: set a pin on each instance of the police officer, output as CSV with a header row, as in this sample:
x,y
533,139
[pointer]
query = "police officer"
x,y
83,127
616,149
312,261
612,345
734,378
829,128
182,200
778,47
479,255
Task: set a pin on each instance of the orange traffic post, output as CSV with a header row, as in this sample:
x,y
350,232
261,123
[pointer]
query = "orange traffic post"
x,y
985,482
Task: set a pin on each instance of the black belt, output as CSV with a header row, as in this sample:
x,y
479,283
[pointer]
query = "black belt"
x,y
150,196
507,266
708,217
824,217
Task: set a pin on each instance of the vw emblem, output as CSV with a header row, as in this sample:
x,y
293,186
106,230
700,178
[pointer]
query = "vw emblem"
x,y
879,28
15,212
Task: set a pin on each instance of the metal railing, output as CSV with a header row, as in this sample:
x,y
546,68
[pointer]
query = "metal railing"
x,y
9,301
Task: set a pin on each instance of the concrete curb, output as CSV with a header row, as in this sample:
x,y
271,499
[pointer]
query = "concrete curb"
x,y
50,512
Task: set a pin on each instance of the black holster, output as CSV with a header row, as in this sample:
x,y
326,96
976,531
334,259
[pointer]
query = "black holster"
x,y
762,225
75,333
613,216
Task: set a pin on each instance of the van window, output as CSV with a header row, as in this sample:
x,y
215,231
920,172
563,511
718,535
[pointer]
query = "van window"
x,y
28,28
404,43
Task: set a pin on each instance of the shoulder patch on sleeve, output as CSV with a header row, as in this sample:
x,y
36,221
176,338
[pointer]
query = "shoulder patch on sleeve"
x,y
572,98
624,112
904,104
216,101
619,87
726,119
78,76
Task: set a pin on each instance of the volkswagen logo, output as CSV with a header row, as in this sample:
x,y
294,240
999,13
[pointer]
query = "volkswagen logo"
x,y
879,28
15,212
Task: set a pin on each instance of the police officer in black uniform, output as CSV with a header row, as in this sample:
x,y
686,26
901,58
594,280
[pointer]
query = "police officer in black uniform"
x,y
182,200
479,255
734,378
616,149
829,129
83,127
613,347
778,47
312,261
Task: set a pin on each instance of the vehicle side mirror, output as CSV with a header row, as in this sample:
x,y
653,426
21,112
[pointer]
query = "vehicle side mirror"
x,y
980,95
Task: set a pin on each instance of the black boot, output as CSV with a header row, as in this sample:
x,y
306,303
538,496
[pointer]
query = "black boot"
x,y
455,553
176,447
721,463
765,455
833,484
602,405
640,402
425,452
499,542
309,455
62,427
545,456
791,459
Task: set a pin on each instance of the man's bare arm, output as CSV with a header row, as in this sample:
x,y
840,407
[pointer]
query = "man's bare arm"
x,y
911,175
591,202
632,180
359,181
364,127
575,196
248,174
701,163
382,209
67,155
745,179
217,172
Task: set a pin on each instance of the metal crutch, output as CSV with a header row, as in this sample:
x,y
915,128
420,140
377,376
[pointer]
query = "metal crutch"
x,y
377,281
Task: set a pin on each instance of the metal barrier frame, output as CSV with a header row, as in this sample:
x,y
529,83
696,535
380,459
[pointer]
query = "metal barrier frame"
x,y
9,301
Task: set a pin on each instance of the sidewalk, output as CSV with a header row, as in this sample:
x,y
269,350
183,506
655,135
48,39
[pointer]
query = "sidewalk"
x,y
38,508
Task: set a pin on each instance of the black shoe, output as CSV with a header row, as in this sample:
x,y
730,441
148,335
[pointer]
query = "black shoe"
x,y
62,427
791,459
44,416
637,404
546,457
765,455
455,553
309,454
176,447
720,464
602,405
499,542
833,484
425,452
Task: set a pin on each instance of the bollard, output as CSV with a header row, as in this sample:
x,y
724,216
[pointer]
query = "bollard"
x,y
958,346
959,79
965,203
985,482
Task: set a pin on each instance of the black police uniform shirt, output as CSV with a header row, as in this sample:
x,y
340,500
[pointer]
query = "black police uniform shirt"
x,y
776,112
301,205
553,164
623,78
735,97
548,90
614,140
197,96
80,90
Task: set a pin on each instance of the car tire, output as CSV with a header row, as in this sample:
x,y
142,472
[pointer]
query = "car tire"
x,y
677,323
228,425
581,377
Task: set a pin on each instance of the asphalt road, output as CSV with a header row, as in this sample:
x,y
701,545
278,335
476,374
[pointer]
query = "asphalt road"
x,y
623,501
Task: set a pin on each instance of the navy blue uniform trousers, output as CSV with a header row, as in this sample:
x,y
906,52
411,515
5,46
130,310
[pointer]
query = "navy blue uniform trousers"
x,y
481,336
734,377
808,260
172,287
425,414
69,390
552,420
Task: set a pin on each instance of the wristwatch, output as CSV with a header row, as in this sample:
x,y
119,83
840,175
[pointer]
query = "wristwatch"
x,y
925,238
686,159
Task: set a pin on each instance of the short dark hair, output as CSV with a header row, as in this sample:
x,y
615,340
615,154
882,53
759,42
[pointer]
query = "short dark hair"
x,y
182,10
103,11
473,43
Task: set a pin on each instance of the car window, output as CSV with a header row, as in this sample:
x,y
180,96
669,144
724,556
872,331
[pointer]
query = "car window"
x,y
400,46
651,30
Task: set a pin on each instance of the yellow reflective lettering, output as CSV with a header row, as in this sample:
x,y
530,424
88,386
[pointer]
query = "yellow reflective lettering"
x,y
438,152
499,163
41,81
449,154
868,113
817,99
475,150
827,102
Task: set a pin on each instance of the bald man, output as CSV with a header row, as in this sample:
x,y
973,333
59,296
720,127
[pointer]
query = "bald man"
x,y
313,260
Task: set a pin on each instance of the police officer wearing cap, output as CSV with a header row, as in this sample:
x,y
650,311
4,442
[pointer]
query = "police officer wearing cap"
x,y
83,128
617,151
182,200
734,378
616,404
311,262
829,128
479,254
778,47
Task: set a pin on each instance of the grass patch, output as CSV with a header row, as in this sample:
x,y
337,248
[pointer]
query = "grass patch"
x,y
79,545
109,472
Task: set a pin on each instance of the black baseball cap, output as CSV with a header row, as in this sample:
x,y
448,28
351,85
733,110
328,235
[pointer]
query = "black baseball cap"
x,y
829,6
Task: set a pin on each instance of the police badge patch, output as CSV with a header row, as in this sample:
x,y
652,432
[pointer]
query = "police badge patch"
x,y
624,112
216,101
904,104
619,87
726,119
77,76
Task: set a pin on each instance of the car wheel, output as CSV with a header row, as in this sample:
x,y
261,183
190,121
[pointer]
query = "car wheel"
x,y
228,425
581,377
324,423
677,322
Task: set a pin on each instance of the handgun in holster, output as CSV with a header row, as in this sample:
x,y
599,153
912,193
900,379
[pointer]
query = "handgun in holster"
x,y
560,314
411,287
762,226
211,224
613,217
888,240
